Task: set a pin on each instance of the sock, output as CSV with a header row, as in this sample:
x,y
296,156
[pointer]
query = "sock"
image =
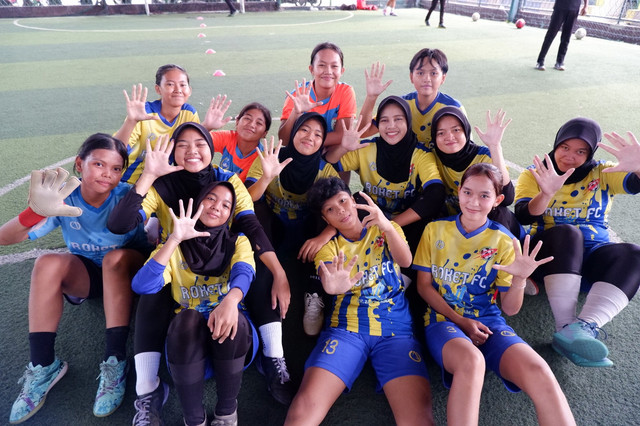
x,y
562,292
189,382
228,384
604,302
42,348
116,342
147,366
271,335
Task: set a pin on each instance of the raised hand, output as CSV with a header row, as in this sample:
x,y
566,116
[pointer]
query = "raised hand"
x,y
156,160
301,100
214,119
351,135
495,129
336,276
271,165
627,153
548,180
48,190
375,216
184,225
136,104
524,263
373,80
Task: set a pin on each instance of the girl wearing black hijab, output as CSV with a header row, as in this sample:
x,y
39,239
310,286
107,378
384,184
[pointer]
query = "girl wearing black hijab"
x,y
278,184
208,270
566,198
178,170
456,152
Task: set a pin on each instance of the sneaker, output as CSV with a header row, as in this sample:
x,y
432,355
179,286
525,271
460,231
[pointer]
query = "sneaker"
x,y
228,420
540,66
581,338
113,382
426,22
313,314
149,406
531,287
579,361
232,14
442,26
279,383
558,66
384,12
37,382
393,14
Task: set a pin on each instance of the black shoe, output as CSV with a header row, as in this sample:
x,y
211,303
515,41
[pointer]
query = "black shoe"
x,y
149,406
279,383
441,25
426,22
232,14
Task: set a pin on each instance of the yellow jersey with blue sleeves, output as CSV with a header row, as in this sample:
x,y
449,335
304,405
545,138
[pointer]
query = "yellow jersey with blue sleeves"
x,y
376,304
289,207
451,178
152,129
392,198
341,104
421,119
202,293
153,203
461,263
585,204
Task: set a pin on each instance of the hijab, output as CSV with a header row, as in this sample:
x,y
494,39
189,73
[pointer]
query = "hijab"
x,y
578,128
210,256
458,161
300,174
183,185
394,161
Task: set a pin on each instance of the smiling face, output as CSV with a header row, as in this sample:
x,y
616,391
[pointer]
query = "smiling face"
x,y
477,196
571,153
252,127
392,123
427,78
174,89
340,211
217,207
192,150
308,138
101,170
326,69
450,136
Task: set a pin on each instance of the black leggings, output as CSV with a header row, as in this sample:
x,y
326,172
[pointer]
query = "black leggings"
x,y
153,315
617,263
432,8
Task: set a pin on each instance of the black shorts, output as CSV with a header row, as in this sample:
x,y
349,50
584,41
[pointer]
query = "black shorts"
x,y
95,281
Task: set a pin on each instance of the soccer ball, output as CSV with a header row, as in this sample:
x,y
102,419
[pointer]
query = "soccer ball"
x,y
580,33
520,23
475,16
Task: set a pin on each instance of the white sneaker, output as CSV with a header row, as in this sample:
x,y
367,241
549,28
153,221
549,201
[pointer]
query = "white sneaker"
x,y
313,314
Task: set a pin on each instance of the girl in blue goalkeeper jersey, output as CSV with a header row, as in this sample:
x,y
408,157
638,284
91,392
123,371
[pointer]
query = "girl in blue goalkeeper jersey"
x,y
98,263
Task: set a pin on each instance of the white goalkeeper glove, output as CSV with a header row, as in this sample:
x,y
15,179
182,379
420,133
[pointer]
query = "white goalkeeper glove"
x,y
48,190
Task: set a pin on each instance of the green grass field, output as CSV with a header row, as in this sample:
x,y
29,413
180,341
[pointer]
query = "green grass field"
x,y
62,79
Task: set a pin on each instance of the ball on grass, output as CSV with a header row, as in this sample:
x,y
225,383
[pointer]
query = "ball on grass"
x,y
475,16
580,33
520,23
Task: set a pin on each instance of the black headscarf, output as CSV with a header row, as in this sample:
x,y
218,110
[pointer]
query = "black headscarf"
x,y
300,174
578,128
458,161
210,256
183,185
394,161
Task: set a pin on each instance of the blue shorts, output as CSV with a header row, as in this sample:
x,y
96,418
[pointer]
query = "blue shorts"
x,y
344,354
439,333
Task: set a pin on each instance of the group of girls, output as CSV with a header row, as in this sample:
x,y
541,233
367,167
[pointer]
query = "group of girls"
x,y
219,229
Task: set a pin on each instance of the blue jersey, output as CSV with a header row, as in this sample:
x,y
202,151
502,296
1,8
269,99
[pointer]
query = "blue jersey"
x,y
87,235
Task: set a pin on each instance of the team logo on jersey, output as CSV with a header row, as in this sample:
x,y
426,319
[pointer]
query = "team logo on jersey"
x,y
593,185
226,163
507,333
372,166
184,265
440,244
379,241
411,169
75,225
487,253
415,356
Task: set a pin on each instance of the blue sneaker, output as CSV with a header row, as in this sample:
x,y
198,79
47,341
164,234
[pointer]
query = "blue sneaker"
x,y
37,382
581,362
581,338
113,381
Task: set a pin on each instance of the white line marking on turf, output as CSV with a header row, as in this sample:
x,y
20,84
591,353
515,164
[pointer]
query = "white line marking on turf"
x,y
20,181
17,23
9,259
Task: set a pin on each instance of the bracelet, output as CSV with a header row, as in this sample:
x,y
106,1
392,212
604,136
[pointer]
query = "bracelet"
x,y
29,218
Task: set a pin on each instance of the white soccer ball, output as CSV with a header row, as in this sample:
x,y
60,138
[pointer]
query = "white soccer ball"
x,y
580,33
475,16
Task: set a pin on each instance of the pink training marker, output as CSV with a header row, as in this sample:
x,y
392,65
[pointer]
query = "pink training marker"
x,y
210,52
201,35
200,18
203,25
219,73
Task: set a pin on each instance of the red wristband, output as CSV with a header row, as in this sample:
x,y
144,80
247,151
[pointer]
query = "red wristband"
x,y
29,218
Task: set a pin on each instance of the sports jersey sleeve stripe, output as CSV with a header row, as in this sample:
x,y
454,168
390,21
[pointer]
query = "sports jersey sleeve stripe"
x,y
149,279
631,183
241,276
